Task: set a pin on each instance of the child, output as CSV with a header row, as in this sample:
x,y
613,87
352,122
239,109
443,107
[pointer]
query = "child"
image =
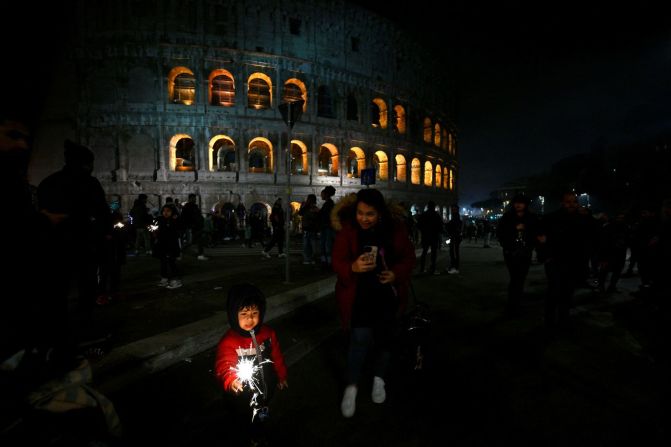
x,y
246,307
167,246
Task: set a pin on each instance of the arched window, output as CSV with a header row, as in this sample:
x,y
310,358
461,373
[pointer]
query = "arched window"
x,y
415,171
443,140
399,119
446,178
400,168
222,88
185,156
352,108
439,174
294,90
452,179
260,88
428,128
181,86
436,135
381,164
222,154
378,113
327,161
324,102
356,161
299,158
260,156
428,173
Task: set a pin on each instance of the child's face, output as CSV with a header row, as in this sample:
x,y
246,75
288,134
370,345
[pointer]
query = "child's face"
x,y
248,317
166,212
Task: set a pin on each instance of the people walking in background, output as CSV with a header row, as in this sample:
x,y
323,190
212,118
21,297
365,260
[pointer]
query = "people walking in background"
x,y
249,340
309,212
140,219
454,230
611,252
277,223
327,234
373,259
517,232
112,258
430,224
193,222
167,247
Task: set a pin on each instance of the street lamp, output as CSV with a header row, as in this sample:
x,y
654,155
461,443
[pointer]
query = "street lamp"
x,y
291,112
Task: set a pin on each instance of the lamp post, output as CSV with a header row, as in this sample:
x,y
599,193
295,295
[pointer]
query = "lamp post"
x,y
291,112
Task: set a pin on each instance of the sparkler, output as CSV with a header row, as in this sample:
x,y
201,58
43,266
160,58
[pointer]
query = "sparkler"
x,y
153,226
250,373
119,225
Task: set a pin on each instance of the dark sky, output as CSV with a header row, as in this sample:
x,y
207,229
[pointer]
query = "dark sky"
x,y
538,81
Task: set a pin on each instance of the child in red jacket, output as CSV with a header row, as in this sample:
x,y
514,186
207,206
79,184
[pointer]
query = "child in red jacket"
x,y
250,342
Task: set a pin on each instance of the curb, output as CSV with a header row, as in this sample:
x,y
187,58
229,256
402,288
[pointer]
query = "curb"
x,y
129,363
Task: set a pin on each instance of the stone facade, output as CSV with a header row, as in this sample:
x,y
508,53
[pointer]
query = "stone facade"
x,y
117,93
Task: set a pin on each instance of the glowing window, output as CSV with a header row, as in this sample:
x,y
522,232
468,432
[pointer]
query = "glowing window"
x,y
259,95
181,86
439,173
378,113
415,174
185,155
299,158
400,168
260,156
356,161
327,161
446,178
443,139
436,135
399,119
452,179
294,90
222,88
222,154
428,130
428,173
381,165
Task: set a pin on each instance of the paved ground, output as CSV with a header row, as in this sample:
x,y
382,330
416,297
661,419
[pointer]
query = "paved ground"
x,y
488,379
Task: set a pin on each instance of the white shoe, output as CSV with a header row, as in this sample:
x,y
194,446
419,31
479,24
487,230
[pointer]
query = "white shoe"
x,y
202,258
348,404
174,284
282,255
453,271
379,394
265,254
163,282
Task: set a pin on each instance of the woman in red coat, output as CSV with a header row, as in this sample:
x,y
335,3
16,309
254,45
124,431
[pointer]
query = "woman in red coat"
x,y
373,258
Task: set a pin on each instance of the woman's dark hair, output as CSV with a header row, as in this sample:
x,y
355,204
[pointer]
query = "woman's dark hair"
x,y
374,198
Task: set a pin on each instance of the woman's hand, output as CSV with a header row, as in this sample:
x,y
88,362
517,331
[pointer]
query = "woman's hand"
x,y
363,263
386,277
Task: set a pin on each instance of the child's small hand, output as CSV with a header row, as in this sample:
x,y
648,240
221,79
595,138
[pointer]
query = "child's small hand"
x,y
236,386
386,277
282,385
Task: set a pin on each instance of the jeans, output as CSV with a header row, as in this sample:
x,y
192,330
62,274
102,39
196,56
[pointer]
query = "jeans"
x,y
309,245
361,341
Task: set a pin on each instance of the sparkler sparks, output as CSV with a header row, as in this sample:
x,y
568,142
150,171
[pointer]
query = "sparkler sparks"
x,y
119,225
246,371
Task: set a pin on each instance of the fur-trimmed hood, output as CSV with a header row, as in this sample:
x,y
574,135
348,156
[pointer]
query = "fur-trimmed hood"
x,y
344,210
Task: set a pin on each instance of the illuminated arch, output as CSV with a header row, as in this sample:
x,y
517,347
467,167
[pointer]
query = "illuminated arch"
x,y
415,174
299,158
356,161
428,129
260,156
438,176
399,114
381,162
428,173
452,179
221,90
446,178
436,135
294,89
327,161
259,91
378,113
222,154
401,168
181,86
181,145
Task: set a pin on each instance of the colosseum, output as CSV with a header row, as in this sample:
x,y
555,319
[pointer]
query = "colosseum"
x,y
186,97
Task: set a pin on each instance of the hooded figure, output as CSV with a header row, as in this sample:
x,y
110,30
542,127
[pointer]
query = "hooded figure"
x,y
246,306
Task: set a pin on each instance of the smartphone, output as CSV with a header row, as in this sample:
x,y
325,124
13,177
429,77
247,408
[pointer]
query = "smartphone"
x,y
372,252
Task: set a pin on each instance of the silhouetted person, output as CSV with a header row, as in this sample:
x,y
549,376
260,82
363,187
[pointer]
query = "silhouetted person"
x,y
430,225
327,233
612,252
112,257
517,233
454,230
193,222
75,203
141,219
277,222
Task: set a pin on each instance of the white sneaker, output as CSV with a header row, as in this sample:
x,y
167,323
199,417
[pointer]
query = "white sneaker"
x,y
265,254
453,271
163,282
202,258
174,284
348,404
378,395
282,255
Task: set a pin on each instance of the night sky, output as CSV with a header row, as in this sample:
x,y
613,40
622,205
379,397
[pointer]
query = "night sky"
x,y
538,81
535,81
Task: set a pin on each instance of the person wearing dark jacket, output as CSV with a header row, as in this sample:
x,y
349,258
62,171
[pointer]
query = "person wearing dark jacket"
x,y
454,229
517,233
194,222
373,259
431,226
167,247
326,234
277,222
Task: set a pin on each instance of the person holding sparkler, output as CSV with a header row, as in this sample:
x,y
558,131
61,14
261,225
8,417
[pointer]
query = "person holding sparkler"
x,y
373,258
249,361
